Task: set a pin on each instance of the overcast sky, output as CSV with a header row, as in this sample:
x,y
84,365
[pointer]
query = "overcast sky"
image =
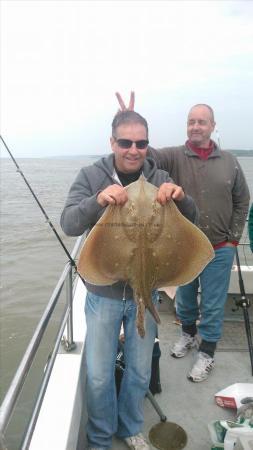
x,y
62,61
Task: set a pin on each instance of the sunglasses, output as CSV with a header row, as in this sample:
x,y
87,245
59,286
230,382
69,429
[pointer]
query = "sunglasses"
x,y
127,143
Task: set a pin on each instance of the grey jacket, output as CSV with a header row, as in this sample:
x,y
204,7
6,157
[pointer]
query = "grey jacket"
x,y
217,185
82,211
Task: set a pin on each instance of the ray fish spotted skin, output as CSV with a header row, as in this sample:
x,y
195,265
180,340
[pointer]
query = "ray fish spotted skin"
x,y
146,245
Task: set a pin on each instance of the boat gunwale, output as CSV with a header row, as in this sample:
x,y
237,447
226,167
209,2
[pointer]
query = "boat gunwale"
x,y
15,389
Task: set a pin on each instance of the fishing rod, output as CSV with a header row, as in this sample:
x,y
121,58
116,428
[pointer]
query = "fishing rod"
x,y
244,303
72,262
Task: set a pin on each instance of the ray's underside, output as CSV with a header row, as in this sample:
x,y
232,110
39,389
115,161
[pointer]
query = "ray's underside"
x,y
145,244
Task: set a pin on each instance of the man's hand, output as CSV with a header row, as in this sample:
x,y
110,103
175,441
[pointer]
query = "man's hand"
x,y
168,191
112,195
122,105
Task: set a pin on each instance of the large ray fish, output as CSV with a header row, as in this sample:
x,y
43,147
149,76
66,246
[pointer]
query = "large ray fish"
x,y
145,244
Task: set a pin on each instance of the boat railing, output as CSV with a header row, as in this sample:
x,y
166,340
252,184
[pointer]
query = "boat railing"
x,y
8,405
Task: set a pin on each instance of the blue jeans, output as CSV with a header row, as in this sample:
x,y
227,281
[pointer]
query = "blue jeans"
x,y
214,283
108,414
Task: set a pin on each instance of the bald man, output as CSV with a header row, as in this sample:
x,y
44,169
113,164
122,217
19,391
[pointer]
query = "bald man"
x,y
214,179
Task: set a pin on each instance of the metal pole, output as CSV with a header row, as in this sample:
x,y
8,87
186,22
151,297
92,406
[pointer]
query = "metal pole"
x,y
152,400
68,342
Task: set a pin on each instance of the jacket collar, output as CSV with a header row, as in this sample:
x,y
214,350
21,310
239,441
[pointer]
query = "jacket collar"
x,y
216,153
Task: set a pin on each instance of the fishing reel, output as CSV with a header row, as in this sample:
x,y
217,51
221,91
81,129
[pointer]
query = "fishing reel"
x,y
242,302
